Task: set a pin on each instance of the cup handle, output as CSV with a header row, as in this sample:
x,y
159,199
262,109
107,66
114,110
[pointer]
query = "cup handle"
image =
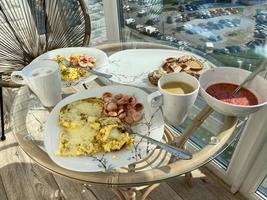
x,y
15,75
155,99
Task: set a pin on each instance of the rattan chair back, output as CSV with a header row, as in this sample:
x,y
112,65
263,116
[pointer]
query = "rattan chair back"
x,y
28,28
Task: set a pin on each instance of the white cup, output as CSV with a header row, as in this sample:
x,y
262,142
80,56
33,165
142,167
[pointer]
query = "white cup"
x,y
43,78
175,106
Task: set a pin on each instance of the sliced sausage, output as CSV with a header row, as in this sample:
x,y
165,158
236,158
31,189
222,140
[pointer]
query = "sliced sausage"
x,y
111,106
138,107
113,114
137,116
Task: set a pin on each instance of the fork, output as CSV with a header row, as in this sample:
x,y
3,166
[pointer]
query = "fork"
x,y
67,63
178,152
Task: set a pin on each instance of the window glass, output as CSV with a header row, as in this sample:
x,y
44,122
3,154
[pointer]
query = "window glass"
x,y
226,32
211,126
262,189
230,33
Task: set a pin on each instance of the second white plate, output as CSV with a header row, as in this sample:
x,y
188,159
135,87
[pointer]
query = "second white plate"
x,y
131,67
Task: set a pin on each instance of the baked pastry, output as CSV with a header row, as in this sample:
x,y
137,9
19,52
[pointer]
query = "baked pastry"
x,y
171,65
186,63
185,58
155,75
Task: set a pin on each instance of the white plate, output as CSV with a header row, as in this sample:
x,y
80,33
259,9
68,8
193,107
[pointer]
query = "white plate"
x,y
101,60
152,125
131,67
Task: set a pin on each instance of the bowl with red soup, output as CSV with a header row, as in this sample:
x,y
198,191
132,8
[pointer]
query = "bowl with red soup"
x,y
217,86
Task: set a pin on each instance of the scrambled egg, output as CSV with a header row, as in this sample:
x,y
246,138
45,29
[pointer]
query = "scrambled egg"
x,y
85,132
80,113
70,73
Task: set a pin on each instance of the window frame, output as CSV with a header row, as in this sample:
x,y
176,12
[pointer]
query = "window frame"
x,y
111,11
256,175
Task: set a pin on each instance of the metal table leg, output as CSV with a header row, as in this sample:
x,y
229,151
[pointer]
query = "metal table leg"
x,y
3,137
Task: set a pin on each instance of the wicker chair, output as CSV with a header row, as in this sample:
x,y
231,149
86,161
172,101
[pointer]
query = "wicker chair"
x,y
28,28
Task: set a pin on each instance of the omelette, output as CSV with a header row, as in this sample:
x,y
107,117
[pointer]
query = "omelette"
x,y
69,72
85,131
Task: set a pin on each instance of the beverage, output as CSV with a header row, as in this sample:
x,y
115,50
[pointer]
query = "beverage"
x,y
176,94
177,87
43,79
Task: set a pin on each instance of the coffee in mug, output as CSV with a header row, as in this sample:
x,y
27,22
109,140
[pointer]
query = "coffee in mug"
x,y
178,87
177,93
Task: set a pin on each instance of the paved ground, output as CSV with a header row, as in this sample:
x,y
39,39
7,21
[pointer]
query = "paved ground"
x,y
242,34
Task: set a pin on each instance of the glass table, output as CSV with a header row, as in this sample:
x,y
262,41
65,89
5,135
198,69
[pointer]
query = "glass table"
x,y
28,117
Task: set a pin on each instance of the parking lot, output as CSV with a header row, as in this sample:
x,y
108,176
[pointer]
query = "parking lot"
x,y
221,36
200,33
234,32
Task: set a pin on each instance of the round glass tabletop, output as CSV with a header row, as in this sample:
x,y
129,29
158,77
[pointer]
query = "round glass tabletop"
x,y
29,116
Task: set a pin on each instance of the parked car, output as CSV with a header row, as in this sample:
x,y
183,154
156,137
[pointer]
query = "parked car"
x,y
234,49
171,39
202,25
139,27
150,22
222,21
190,31
217,26
167,38
179,28
169,20
181,8
188,7
214,38
221,51
150,30
127,8
156,19
238,48
229,24
156,34
141,13
209,23
129,21
236,20
254,43
225,51
220,25
179,18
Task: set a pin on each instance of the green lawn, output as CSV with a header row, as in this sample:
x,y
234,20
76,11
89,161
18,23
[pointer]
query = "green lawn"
x,y
169,1
248,57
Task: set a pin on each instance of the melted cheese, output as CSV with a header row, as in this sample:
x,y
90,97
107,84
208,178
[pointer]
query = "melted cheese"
x,y
80,113
85,132
77,141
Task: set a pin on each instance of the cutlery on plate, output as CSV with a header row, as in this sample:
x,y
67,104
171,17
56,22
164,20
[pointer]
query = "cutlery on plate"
x,y
100,74
67,63
178,152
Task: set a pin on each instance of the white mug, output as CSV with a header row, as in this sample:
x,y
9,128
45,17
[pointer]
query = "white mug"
x,y
175,106
43,78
